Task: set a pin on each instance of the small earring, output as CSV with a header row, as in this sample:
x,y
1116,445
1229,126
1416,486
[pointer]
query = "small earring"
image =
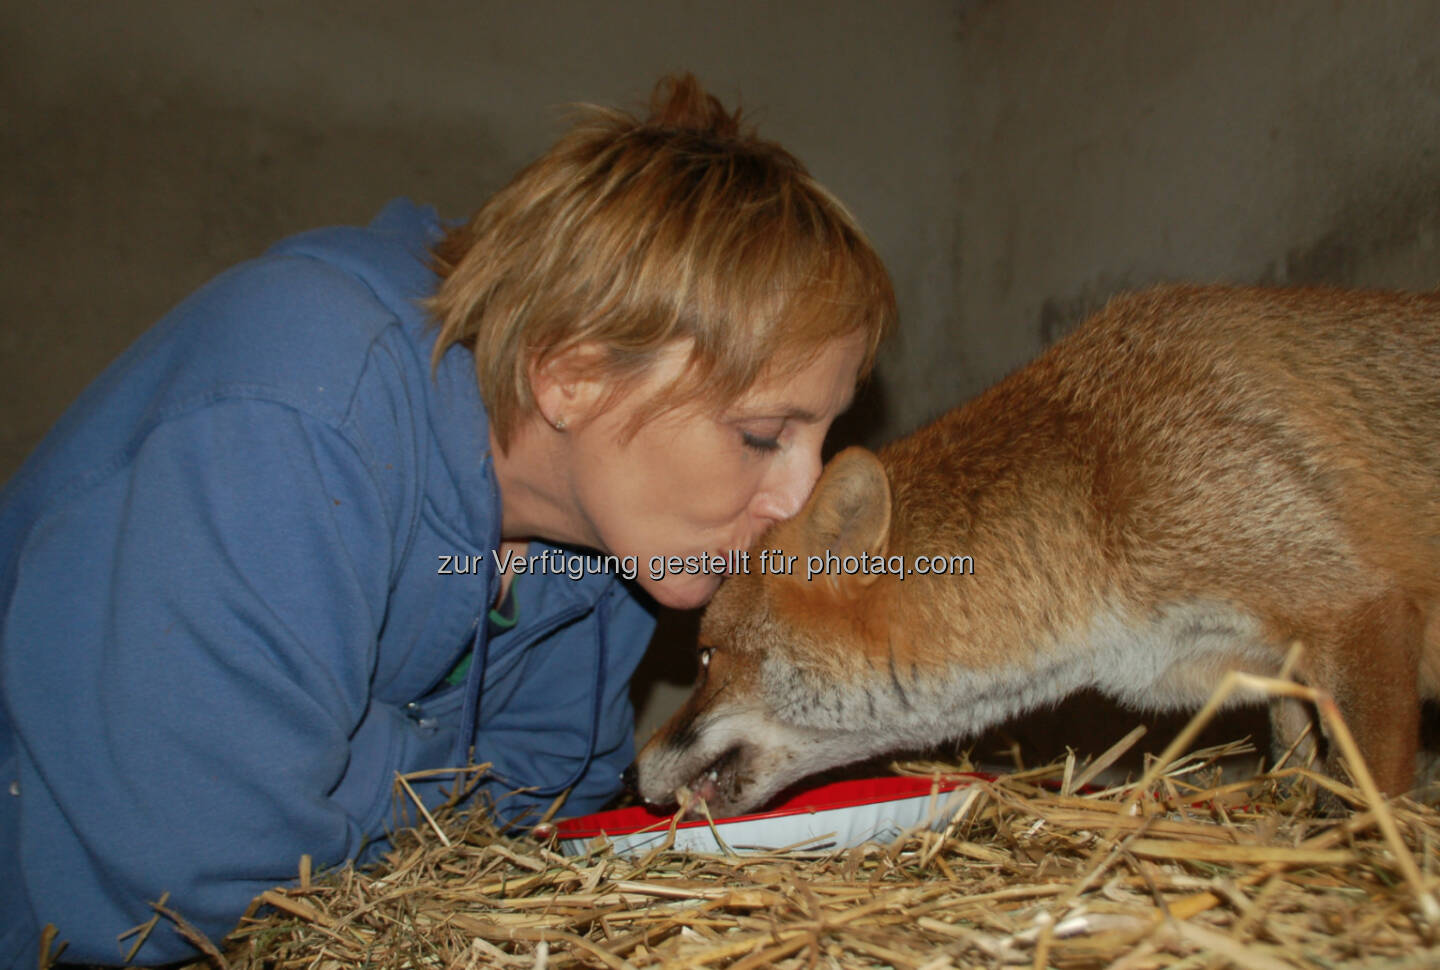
x,y
559,424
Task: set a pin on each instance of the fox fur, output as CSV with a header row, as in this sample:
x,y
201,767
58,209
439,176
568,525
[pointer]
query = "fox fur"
x,y
1187,484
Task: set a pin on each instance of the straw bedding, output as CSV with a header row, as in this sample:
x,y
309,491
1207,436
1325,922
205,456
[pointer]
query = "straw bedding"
x,y
1041,869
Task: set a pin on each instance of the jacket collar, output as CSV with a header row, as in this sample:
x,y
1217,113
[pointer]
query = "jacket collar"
x,y
458,421
391,256
458,425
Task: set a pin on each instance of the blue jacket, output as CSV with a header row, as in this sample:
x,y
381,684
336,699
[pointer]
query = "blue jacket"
x,y
224,626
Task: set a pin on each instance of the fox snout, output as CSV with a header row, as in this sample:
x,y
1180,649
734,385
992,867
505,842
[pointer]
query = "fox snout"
x,y
709,747
710,764
727,747
735,762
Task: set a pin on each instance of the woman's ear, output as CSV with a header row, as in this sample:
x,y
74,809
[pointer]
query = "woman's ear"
x,y
569,386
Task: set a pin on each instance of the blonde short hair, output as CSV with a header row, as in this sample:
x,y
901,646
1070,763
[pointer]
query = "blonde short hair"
x,y
633,234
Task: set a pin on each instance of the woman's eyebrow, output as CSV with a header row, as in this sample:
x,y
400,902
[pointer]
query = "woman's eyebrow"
x,y
789,411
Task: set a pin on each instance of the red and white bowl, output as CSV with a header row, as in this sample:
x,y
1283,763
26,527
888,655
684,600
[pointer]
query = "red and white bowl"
x,y
835,816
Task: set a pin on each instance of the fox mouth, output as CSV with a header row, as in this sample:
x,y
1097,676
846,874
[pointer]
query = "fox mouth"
x,y
719,782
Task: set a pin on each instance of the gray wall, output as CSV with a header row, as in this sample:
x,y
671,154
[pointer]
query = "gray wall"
x,y
1105,145
1014,162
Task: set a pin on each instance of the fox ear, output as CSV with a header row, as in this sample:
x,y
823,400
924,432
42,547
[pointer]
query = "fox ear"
x,y
849,512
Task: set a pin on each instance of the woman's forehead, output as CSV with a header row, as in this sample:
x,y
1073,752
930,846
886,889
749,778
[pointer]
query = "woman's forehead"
x,y
819,388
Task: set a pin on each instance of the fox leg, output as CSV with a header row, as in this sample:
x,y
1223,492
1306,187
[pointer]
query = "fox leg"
x,y
1373,672
1293,725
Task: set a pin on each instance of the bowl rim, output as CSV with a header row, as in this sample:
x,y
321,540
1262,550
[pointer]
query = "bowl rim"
x,y
850,793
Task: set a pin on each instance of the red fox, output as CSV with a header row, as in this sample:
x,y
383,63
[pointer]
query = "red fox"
x,y
1189,482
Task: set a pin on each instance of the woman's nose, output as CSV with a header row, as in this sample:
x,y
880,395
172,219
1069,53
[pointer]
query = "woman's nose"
x,y
785,491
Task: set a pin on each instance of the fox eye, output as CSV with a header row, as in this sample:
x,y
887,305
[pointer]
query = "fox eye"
x,y
705,653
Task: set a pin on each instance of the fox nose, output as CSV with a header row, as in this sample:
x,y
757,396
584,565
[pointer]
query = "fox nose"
x,y
630,778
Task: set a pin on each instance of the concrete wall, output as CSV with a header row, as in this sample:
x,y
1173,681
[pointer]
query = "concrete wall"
x,y
1015,162
1106,145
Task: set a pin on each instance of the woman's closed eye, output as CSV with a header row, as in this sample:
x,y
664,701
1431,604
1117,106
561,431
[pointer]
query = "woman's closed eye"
x,y
761,443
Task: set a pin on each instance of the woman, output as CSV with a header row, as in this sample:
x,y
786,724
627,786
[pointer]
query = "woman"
x,y
255,571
